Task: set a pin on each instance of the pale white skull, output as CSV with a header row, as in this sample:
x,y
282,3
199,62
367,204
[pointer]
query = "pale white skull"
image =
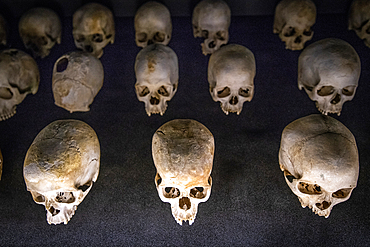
x,y
40,28
93,28
3,31
77,79
231,71
293,22
319,157
359,19
19,76
60,167
153,24
211,21
329,71
157,76
183,152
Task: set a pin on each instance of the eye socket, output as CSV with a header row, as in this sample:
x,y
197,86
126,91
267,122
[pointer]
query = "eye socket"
x,y
65,197
307,32
143,90
171,192
244,92
159,37
5,93
163,91
141,37
325,91
205,34
62,65
198,192
42,40
311,189
289,176
223,92
220,35
80,38
85,186
348,91
290,31
308,88
342,193
39,198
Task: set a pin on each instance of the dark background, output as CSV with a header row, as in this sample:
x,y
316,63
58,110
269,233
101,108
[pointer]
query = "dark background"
x,y
250,204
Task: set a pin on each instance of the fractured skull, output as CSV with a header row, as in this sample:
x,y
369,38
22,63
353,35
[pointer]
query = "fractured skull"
x,y
183,152
61,166
359,19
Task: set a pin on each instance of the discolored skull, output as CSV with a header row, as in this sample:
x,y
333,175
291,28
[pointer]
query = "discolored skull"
x,y
19,76
77,79
40,29
93,28
157,76
293,22
319,158
211,21
183,152
329,71
60,167
359,19
231,71
3,31
152,24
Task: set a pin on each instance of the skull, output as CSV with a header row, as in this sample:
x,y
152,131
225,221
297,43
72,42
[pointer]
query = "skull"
x,y
77,79
152,24
329,70
157,76
19,76
40,29
183,152
3,31
60,167
93,28
211,21
358,20
293,22
231,71
319,158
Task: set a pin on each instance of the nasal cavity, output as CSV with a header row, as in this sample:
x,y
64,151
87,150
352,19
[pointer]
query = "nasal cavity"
x,y
233,100
154,101
212,44
62,65
184,203
298,40
54,211
89,48
150,42
336,99
324,205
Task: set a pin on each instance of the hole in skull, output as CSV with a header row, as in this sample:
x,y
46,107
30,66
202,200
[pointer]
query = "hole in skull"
x,y
324,205
108,36
289,176
212,44
143,91
88,48
307,32
298,39
348,91
325,91
154,100
158,179
223,92
184,203
342,193
290,31
171,192
5,93
62,65
163,91
204,34
54,211
32,46
97,37
311,189
37,197
233,100
65,197
42,40
220,35
308,88
336,99
141,37
85,186
244,92
197,192
159,37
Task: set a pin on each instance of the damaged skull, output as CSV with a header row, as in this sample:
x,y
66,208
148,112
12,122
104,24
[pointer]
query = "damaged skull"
x,y
93,28
319,158
19,76
3,31
231,71
293,22
359,19
329,71
157,76
211,21
183,152
40,29
60,167
77,79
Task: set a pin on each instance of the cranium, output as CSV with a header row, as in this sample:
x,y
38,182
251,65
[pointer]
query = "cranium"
x,y
211,21
3,31
329,70
40,29
183,152
319,157
293,22
93,28
231,71
157,76
152,24
19,76
60,167
359,19
77,79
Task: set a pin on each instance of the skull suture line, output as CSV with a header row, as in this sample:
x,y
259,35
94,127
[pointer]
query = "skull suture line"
x,y
293,22
183,152
157,76
211,21
319,158
231,71
40,29
153,24
329,71
60,167
359,19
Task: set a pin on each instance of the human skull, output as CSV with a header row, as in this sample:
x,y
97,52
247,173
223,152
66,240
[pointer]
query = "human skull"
x,y
157,76
211,21
93,28
40,29
329,71
77,79
358,20
153,24
60,167
293,22
319,158
3,31
183,152
231,71
19,76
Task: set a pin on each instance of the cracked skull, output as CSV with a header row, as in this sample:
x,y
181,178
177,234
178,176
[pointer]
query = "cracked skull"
x,y
60,167
157,76
183,152
293,22
211,21
231,71
359,19
329,70
319,158
40,29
